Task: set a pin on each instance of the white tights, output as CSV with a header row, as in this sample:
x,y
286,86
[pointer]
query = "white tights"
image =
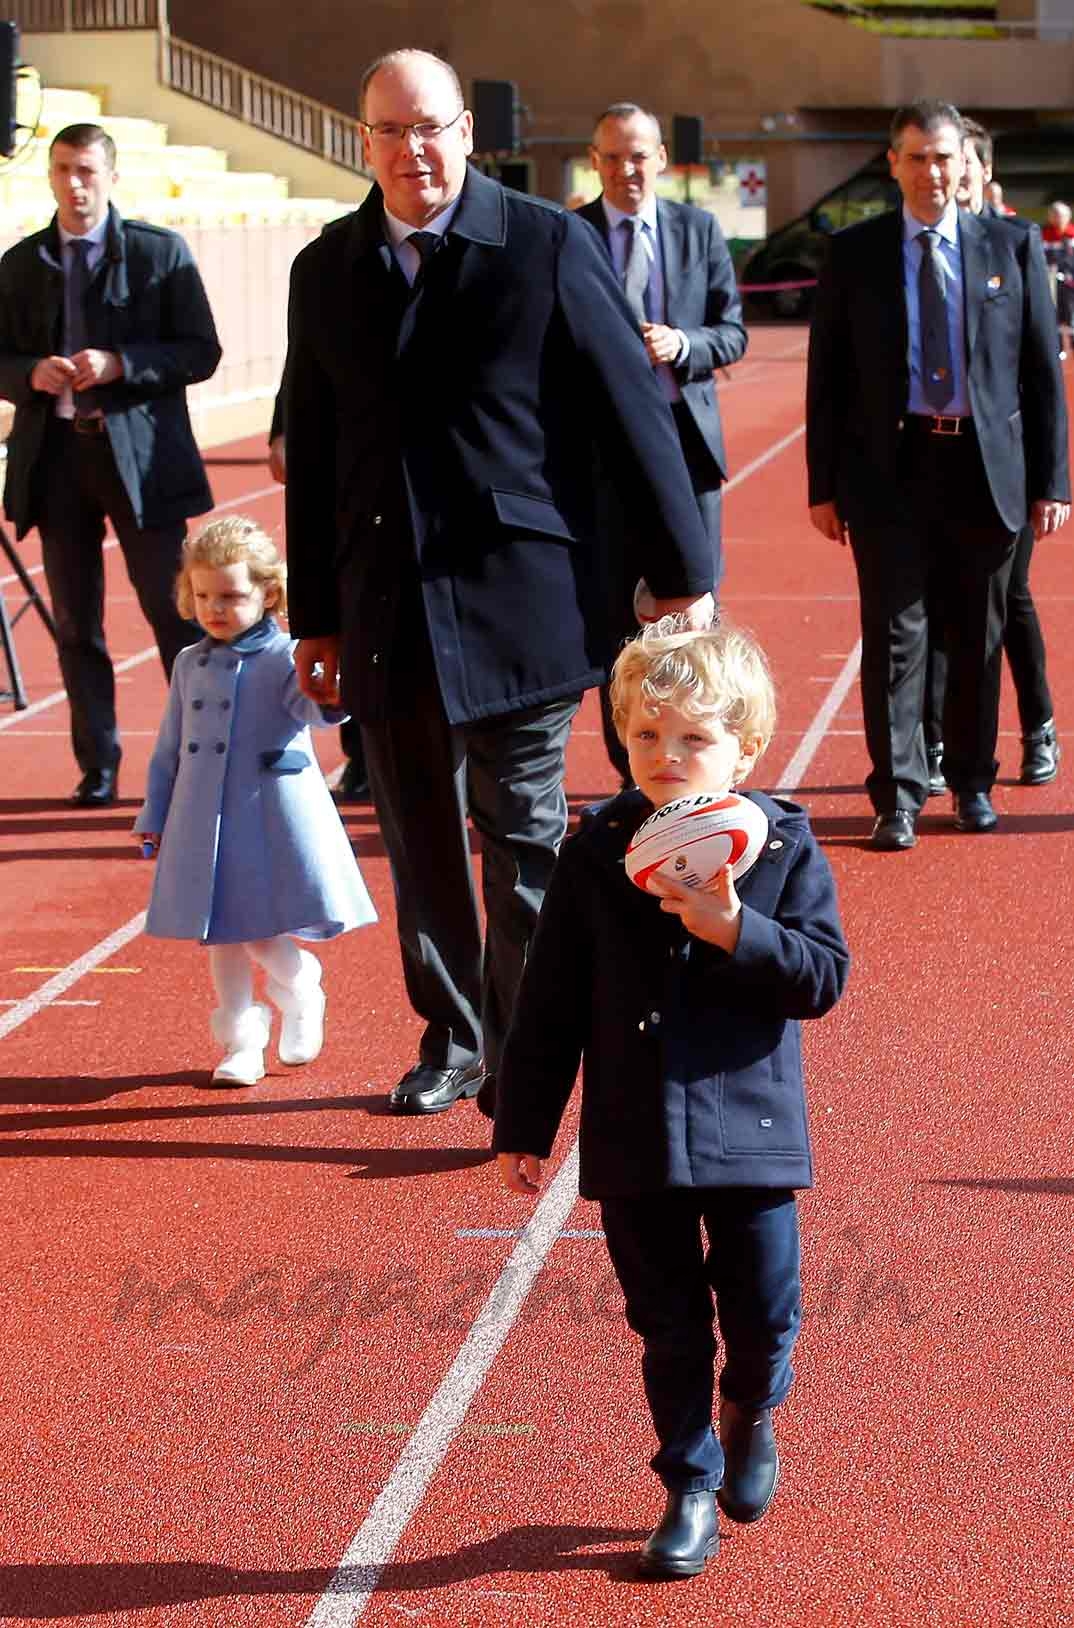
x,y
232,967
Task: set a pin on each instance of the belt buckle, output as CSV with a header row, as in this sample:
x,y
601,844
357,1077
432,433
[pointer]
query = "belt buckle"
x,y
86,425
946,424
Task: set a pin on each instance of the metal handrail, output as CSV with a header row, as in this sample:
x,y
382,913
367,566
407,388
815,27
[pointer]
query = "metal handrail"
x,y
207,78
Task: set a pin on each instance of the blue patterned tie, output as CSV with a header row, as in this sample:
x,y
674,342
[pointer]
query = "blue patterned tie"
x,y
937,380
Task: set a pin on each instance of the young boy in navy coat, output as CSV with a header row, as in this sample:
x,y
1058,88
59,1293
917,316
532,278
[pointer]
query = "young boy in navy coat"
x,y
687,1011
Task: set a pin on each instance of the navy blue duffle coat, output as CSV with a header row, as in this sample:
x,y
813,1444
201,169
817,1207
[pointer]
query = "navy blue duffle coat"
x,y
692,1056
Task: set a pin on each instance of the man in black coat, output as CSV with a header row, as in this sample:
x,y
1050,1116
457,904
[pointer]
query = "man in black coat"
x,y
459,356
936,428
103,324
688,310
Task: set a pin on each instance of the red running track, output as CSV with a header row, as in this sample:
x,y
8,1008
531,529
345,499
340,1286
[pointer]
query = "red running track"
x,y
238,1329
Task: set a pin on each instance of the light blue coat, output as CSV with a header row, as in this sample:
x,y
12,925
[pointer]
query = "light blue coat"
x,y
252,845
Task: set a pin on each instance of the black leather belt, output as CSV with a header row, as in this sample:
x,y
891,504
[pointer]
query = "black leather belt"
x,y
938,424
88,426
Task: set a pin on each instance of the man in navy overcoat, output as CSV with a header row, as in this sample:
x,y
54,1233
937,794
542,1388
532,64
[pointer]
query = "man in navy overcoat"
x,y
460,359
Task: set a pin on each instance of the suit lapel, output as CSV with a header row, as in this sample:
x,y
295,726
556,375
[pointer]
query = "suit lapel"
x,y
671,229
973,242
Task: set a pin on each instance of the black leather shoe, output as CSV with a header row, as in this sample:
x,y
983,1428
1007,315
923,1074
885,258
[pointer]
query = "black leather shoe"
x,y
974,811
937,783
751,1462
427,1090
352,785
486,1097
687,1536
97,788
894,831
1040,756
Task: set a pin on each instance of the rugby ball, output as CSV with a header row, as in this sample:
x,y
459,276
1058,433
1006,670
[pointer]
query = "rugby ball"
x,y
691,839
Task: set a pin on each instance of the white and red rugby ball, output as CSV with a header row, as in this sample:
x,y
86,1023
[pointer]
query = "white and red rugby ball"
x,y
691,839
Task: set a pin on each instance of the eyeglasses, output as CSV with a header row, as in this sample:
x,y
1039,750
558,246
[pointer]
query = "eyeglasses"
x,y
392,135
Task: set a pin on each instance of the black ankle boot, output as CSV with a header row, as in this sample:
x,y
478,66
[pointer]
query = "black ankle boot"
x,y
1040,756
751,1462
687,1536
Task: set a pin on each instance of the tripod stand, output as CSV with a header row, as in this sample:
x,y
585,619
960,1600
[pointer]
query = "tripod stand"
x,y
15,691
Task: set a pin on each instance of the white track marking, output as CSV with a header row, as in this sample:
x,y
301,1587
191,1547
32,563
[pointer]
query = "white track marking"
x,y
61,983
765,457
347,1595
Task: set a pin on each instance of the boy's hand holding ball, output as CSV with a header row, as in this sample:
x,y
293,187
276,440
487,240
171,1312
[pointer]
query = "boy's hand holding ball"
x,y
521,1172
713,915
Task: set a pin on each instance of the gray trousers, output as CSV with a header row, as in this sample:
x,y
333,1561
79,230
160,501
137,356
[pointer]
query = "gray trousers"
x,y
425,775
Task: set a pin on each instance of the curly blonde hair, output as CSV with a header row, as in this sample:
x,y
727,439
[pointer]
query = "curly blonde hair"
x,y
719,672
234,541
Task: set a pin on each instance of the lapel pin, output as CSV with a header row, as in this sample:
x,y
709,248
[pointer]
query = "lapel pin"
x,y
995,282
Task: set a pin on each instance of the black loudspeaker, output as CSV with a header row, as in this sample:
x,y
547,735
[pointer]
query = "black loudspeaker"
x,y
517,174
9,61
495,120
686,139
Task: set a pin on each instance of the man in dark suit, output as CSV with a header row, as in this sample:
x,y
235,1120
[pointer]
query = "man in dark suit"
x,y
680,284
458,357
936,428
103,324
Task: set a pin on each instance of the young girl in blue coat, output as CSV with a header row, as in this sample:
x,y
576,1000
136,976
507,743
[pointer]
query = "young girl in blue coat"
x,y
687,1011
251,851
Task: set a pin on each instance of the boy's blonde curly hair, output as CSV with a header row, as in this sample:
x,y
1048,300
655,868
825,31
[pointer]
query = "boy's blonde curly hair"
x,y
719,672
234,541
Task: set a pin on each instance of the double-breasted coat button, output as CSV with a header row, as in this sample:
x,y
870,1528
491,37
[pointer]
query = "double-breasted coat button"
x,y
197,705
192,747
654,1017
203,661
224,705
221,747
774,845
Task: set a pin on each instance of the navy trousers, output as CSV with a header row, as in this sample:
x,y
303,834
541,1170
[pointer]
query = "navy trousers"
x,y
684,1257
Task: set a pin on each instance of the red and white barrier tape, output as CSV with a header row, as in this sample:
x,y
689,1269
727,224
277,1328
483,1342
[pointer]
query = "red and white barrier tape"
x,y
774,288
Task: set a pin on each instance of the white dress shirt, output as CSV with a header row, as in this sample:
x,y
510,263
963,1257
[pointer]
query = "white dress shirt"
x,y
398,231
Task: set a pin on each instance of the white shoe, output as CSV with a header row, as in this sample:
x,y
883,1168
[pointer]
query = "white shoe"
x,y
245,1034
302,1007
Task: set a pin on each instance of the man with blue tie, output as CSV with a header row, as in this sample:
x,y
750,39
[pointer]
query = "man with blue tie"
x,y
676,274
104,322
936,429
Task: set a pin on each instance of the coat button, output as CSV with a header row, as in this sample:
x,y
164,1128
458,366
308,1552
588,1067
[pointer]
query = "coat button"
x,y
203,661
221,746
376,658
224,705
193,746
775,845
654,1017
377,518
197,705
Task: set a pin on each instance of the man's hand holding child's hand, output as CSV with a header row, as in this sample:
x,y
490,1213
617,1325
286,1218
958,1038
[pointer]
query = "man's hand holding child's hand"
x,y
521,1172
713,916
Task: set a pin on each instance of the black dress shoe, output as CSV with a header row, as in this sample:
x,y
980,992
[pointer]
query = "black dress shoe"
x,y
937,783
894,831
1040,756
974,811
751,1462
353,784
97,788
486,1097
687,1536
427,1090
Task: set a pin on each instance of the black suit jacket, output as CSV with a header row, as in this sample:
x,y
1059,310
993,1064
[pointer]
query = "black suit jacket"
x,y
701,297
441,450
859,376
147,303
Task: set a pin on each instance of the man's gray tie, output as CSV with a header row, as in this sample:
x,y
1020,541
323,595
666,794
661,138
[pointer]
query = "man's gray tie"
x,y
637,268
75,331
937,380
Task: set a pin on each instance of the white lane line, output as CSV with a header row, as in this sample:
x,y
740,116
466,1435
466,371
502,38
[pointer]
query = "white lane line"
x,y
348,1594
819,727
61,983
56,1003
765,457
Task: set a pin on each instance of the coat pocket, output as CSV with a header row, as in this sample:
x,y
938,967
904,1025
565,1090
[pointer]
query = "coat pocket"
x,y
288,761
761,1114
530,516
